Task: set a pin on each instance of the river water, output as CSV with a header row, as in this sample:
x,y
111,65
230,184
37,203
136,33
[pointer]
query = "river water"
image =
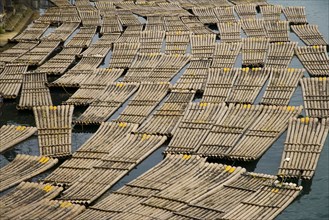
x,y
313,203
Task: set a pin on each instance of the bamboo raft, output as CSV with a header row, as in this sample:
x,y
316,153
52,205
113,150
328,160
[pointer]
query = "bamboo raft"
x,y
61,3
195,76
83,38
90,18
177,42
166,118
63,32
256,2
263,132
173,24
108,135
247,85
10,135
101,47
253,27
111,24
277,31
229,32
11,79
117,163
93,86
246,11
316,96
225,14
32,33
219,84
206,15
155,23
47,209
254,51
304,143
271,12
75,76
123,54
315,59
195,26
192,130
102,107
127,18
23,167
295,14
202,45
54,124
280,54
282,84
132,34
39,54
105,7
61,62
225,55
16,51
34,91
309,34
24,194
144,102
151,41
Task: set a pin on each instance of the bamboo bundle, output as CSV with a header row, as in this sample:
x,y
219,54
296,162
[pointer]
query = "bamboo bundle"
x,y
195,76
228,129
254,51
280,54
295,14
93,85
121,158
246,11
10,135
247,85
309,34
23,167
61,62
123,54
16,51
54,124
151,41
267,128
83,38
102,107
315,59
90,18
11,79
271,12
225,14
32,33
47,209
167,116
144,102
127,18
202,45
34,91
63,32
75,76
195,26
253,27
196,124
219,84
206,15
177,42
303,146
111,24
230,32
26,193
40,53
225,54
316,96
173,24
282,84
90,153
277,31
155,23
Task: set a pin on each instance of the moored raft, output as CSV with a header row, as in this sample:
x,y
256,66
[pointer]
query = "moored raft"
x,y
225,14
253,27
195,26
304,143
206,15
246,11
63,32
10,135
271,12
11,79
54,124
225,55
16,51
177,42
309,34
254,51
277,31
23,167
151,41
280,54
202,45
295,14
123,54
83,38
33,32
229,32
